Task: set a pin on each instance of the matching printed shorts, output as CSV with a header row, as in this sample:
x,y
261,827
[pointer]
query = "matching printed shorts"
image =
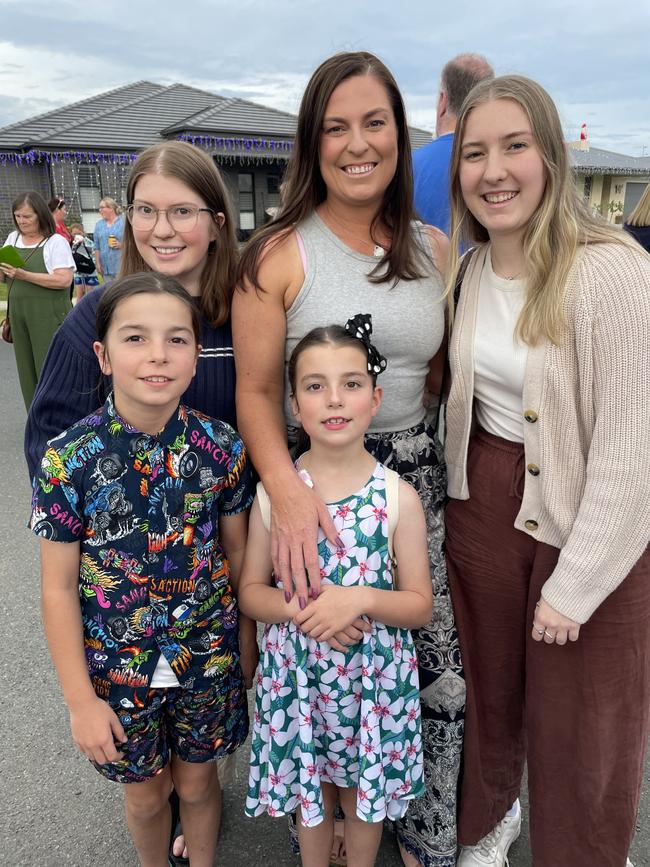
x,y
195,725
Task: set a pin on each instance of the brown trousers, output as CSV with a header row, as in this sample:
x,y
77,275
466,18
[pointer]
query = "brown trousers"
x,y
579,714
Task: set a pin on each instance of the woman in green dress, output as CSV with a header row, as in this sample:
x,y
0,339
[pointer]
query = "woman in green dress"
x,y
38,299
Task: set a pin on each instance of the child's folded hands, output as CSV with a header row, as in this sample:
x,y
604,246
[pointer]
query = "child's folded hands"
x,y
332,614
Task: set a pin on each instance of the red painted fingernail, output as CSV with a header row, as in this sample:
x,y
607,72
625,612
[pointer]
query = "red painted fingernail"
x,y
314,593
339,542
302,603
287,596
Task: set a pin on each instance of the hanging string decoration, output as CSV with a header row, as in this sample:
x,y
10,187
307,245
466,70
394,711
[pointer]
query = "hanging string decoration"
x,y
281,147
52,158
250,151
243,150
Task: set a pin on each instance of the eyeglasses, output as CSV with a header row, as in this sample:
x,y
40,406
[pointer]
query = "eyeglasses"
x,y
182,218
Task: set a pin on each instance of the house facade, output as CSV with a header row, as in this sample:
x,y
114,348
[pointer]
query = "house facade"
x,y
84,151
610,183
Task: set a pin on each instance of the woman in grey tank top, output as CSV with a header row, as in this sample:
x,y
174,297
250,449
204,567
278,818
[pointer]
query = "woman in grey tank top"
x,y
345,242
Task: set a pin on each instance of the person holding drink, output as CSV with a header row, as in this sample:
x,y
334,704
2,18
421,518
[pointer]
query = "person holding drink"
x,y
108,235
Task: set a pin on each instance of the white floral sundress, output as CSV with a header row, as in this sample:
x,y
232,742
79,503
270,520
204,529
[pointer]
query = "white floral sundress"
x,y
352,719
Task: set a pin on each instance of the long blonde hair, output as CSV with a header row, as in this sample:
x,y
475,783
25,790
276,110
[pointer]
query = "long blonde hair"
x,y
640,216
560,225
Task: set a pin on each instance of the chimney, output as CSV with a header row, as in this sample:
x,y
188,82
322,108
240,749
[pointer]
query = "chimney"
x,y
583,142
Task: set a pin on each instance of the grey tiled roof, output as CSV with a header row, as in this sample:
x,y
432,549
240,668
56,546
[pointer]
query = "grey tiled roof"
x,y
140,114
40,129
602,162
137,124
236,116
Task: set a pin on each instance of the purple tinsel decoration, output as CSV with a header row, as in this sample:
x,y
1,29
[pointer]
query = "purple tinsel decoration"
x,y
34,156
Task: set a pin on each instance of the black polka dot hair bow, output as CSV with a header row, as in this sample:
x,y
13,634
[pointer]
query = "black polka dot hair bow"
x,y
360,326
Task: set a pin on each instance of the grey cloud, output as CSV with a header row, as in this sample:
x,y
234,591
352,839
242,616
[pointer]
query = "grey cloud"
x,y
571,50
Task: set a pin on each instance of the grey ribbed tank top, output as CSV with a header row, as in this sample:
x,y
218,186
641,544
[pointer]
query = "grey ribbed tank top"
x,y
407,320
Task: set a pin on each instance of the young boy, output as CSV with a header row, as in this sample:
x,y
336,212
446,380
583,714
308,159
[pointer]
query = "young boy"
x,y
150,499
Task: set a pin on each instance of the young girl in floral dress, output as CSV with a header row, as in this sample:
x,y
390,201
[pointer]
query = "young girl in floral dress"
x,y
337,712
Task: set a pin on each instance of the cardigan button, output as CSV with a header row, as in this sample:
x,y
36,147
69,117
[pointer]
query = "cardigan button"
x,y
530,524
533,469
530,415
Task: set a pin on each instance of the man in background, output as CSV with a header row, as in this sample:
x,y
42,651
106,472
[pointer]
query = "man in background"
x,y
431,162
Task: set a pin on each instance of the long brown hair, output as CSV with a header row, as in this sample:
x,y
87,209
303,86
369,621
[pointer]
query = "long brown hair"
x,y
195,168
304,188
555,231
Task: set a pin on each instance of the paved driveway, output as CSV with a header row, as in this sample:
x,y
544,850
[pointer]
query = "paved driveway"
x,y
55,809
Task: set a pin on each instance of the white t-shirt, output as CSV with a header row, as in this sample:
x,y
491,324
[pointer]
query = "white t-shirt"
x,y
56,251
499,358
163,675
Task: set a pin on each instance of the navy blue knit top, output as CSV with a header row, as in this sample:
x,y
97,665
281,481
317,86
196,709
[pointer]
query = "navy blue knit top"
x,y
70,385
641,234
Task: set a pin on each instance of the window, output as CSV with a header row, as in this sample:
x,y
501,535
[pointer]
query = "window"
x,y
89,196
246,189
273,184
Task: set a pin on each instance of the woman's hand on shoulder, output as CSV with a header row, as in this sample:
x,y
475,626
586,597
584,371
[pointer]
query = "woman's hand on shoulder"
x,y
296,514
439,243
551,627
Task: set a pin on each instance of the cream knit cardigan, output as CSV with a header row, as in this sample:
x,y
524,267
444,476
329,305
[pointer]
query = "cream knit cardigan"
x,y
587,425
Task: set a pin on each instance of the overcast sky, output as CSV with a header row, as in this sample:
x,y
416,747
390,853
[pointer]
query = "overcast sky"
x,y
593,57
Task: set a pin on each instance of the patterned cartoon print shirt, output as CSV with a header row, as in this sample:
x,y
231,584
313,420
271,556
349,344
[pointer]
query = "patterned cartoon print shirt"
x,y
153,576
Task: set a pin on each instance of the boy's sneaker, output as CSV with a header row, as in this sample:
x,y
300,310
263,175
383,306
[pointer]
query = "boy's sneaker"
x,y
492,850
